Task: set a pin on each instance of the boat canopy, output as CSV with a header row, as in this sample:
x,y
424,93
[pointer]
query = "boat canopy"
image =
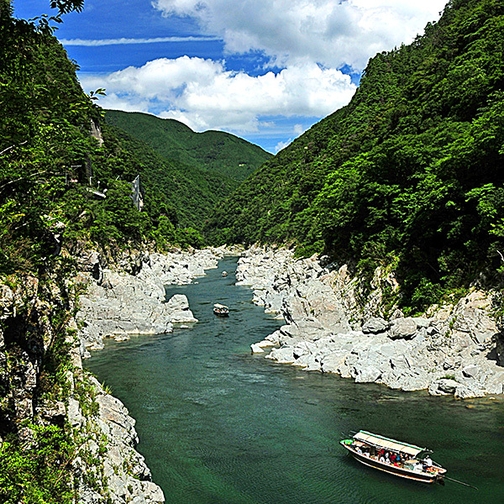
x,y
220,306
388,443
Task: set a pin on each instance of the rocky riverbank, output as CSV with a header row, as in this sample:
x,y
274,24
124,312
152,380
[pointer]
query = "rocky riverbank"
x,y
124,301
58,423
128,298
454,349
107,467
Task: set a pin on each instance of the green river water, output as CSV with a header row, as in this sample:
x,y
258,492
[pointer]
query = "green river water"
x,y
218,425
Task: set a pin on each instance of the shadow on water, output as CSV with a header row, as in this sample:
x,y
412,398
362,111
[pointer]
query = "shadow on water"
x,y
219,425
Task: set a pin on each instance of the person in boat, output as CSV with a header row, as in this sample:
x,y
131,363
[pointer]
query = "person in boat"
x,y
398,460
427,463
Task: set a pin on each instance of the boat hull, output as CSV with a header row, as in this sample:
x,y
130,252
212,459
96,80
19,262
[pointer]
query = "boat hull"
x,y
221,310
423,477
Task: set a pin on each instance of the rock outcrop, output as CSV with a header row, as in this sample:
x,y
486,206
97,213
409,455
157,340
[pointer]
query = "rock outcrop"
x,y
37,334
452,350
119,303
118,472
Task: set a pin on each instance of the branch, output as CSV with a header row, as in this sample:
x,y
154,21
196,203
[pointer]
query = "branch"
x,y
11,147
21,178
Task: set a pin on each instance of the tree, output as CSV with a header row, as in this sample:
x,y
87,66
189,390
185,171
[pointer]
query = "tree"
x,y
66,6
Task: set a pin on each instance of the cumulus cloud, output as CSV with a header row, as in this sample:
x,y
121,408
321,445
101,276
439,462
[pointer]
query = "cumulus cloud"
x,y
333,33
204,95
309,39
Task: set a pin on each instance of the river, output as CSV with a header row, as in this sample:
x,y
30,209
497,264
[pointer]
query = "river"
x,y
221,426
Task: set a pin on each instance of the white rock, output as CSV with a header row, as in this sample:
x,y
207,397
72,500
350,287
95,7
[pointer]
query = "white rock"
x,y
256,348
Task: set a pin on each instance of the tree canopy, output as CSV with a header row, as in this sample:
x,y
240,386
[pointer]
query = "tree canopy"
x,y
409,173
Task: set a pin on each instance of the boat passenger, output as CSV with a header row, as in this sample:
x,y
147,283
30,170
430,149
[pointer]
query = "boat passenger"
x,y
427,462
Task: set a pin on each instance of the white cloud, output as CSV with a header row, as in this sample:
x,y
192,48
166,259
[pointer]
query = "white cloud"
x,y
309,39
326,31
124,41
281,145
299,129
204,95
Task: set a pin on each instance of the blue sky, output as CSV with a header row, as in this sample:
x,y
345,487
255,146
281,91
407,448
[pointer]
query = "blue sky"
x,y
265,70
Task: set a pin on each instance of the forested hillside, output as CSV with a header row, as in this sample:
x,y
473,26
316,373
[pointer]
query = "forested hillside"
x,y
211,154
79,185
408,175
65,188
183,194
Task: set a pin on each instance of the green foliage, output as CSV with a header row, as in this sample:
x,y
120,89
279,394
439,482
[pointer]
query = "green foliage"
x,y
222,155
412,168
39,472
47,199
66,6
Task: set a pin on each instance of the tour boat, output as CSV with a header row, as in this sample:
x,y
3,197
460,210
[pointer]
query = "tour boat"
x,y
220,310
381,453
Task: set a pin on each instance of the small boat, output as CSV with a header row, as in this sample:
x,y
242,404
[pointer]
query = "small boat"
x,y
221,310
224,273
394,457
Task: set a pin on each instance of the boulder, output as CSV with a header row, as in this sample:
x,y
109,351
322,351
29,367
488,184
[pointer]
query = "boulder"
x,y
495,383
282,355
472,371
444,386
369,374
403,328
256,348
472,315
412,381
375,325
467,392
308,361
178,310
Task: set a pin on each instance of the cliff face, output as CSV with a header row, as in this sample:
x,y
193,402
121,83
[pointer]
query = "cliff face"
x,y
62,437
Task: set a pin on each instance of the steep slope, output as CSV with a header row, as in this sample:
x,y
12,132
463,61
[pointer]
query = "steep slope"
x,y
215,152
52,211
408,175
185,194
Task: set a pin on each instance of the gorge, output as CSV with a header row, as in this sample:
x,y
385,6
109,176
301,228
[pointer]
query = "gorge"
x,y
218,424
367,258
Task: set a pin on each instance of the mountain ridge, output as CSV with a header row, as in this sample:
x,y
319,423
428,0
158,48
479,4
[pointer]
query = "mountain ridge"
x,y
214,151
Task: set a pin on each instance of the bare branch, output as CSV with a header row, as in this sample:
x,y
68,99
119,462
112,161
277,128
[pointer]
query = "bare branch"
x,y
11,147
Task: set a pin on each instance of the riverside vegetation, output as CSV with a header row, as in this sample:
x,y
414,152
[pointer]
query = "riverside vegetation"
x,y
406,180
